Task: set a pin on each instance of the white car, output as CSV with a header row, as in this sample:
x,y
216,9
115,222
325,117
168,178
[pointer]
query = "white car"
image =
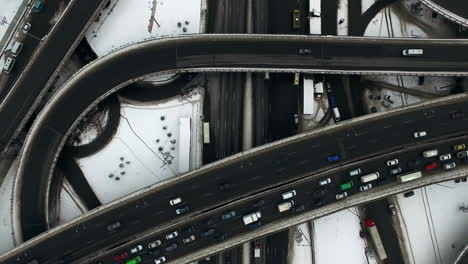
x,y
420,134
288,195
445,157
154,244
172,235
341,195
136,249
188,239
365,187
450,166
392,162
160,260
325,181
412,52
175,201
354,172
26,28
430,153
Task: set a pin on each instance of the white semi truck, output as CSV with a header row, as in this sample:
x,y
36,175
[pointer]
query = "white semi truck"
x,y
376,240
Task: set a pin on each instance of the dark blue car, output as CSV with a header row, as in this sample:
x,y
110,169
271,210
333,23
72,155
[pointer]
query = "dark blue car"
x,y
333,158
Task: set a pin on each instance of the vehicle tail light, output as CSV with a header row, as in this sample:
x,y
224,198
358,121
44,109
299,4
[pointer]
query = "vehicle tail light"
x,y
431,166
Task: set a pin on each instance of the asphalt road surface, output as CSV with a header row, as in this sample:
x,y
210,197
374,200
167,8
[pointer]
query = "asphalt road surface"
x,y
261,170
18,105
457,7
210,229
379,211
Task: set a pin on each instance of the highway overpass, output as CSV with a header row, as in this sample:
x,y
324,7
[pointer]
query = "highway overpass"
x,y
76,242
54,123
340,55
32,83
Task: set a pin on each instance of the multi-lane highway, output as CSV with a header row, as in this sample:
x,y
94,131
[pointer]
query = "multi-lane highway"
x,y
211,229
201,52
220,52
39,73
309,195
328,55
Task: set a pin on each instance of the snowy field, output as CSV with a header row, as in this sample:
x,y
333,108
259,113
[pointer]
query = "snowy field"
x,y
8,10
407,20
434,227
70,204
301,248
336,239
6,227
128,21
145,148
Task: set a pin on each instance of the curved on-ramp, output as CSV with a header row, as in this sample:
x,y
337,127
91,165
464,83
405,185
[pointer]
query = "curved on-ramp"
x,y
455,10
206,53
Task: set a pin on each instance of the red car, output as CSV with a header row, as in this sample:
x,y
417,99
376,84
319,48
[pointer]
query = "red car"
x,y
431,166
121,256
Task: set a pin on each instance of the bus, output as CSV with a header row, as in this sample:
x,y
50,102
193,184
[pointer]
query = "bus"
x,y
206,132
409,176
376,240
308,94
315,20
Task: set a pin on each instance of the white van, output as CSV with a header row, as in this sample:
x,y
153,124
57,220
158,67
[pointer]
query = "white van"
x,y
412,52
336,114
289,194
285,206
370,177
16,49
430,153
8,64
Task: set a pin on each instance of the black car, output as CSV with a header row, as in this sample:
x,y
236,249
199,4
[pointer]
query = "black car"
x,y
319,193
208,232
259,203
221,236
420,80
298,209
225,186
182,210
408,194
212,222
171,247
189,230
456,115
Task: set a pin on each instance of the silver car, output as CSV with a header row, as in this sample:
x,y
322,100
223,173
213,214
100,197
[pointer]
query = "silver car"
x,y
154,244
172,235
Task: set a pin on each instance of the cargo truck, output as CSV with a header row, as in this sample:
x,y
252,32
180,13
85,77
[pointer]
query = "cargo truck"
x,y
376,240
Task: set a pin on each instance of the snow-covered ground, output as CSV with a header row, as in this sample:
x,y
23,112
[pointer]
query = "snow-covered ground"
x,y
6,227
145,148
70,204
406,19
336,239
127,21
8,11
301,245
434,227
